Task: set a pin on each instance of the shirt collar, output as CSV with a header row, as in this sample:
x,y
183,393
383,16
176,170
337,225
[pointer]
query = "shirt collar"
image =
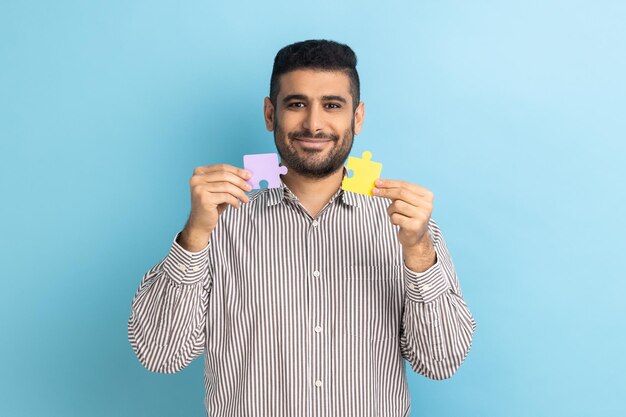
x,y
276,195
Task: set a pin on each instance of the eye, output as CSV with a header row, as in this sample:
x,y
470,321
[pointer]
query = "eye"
x,y
295,104
334,105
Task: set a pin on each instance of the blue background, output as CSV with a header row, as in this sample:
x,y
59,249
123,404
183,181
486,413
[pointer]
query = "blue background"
x,y
512,113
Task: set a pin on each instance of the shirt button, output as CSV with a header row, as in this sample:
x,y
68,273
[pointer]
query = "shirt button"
x,y
316,274
411,286
318,329
182,267
426,287
318,383
315,223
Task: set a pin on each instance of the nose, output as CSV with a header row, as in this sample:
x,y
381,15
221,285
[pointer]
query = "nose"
x,y
313,120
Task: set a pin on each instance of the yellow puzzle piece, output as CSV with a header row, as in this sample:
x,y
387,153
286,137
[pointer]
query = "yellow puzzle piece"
x,y
365,173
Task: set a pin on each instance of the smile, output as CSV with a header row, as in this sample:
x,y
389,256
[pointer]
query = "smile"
x,y
313,140
313,143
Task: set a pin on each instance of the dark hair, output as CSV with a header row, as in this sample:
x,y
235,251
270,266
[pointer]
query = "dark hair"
x,y
319,54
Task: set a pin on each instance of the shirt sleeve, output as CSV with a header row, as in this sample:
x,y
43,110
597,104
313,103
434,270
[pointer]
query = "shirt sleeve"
x,y
437,326
167,323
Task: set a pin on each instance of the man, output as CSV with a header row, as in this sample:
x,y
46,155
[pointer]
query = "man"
x,y
305,298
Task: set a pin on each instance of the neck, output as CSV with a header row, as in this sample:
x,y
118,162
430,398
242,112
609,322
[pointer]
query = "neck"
x,y
313,193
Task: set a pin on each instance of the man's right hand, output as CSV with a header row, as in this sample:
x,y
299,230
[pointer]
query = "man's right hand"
x,y
213,188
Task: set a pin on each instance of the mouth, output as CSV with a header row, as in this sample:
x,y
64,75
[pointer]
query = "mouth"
x,y
310,143
312,140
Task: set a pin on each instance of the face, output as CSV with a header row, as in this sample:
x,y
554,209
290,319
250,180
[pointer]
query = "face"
x,y
313,122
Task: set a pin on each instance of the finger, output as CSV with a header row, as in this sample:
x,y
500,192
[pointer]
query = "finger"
x,y
385,183
240,172
403,208
420,216
219,198
222,167
399,220
220,176
403,194
406,223
226,187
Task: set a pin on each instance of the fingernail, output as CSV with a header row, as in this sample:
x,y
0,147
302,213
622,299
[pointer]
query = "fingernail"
x,y
247,174
375,191
379,182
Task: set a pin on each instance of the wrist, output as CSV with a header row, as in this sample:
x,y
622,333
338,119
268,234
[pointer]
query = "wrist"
x,y
193,240
422,256
424,247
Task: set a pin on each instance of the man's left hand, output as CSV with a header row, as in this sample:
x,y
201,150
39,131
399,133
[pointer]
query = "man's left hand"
x,y
410,209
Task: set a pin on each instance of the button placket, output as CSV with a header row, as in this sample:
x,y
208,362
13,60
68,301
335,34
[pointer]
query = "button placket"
x,y
317,308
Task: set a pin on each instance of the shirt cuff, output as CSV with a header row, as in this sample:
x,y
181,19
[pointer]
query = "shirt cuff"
x,y
423,287
185,267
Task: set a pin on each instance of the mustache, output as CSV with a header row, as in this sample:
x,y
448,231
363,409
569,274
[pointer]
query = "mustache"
x,y
304,134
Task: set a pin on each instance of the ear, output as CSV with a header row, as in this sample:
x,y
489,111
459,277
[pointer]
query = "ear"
x,y
359,115
269,114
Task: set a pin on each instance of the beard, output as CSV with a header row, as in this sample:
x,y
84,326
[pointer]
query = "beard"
x,y
315,166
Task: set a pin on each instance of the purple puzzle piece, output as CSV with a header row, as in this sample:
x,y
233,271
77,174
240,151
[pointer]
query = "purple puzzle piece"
x,y
264,166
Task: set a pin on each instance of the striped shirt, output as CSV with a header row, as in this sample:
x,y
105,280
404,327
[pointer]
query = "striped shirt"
x,y
302,316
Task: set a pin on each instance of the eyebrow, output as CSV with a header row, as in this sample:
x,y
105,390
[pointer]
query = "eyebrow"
x,y
303,97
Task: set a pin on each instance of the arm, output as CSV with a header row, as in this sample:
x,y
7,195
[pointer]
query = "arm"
x,y
166,328
437,326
